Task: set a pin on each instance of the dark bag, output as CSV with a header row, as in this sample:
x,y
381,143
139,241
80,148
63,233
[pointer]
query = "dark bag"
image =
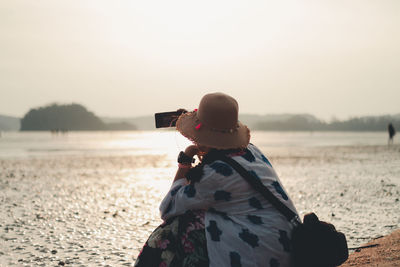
x,y
314,243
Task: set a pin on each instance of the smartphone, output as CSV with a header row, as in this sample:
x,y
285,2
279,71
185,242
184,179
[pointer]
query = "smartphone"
x,y
168,119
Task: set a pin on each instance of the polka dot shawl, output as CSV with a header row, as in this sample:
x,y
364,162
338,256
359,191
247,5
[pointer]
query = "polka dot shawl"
x,y
242,228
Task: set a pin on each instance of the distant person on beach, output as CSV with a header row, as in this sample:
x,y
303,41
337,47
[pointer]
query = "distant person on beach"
x,y
212,216
392,133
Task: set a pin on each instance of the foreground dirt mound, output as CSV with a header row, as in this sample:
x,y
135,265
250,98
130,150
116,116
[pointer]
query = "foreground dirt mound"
x,y
384,252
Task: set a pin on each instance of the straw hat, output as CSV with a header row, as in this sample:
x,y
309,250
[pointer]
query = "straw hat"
x,y
215,123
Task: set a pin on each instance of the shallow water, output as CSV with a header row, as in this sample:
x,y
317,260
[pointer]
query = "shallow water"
x,y
92,199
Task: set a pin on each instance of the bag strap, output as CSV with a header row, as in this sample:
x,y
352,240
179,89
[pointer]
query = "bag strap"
x,y
262,189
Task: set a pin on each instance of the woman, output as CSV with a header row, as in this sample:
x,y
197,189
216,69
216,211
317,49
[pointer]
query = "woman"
x,y
213,217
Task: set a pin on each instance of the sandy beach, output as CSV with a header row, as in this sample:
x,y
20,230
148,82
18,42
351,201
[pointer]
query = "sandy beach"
x,y
98,210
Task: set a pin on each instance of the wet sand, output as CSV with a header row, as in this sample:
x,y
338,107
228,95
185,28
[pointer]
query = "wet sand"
x,y
99,210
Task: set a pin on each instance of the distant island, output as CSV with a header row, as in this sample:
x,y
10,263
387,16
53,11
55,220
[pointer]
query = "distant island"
x,y
292,122
75,117
9,123
310,123
72,117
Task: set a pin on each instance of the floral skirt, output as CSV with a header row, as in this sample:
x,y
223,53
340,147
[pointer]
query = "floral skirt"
x,y
180,241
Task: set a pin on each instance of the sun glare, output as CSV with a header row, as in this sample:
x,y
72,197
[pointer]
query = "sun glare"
x,y
161,142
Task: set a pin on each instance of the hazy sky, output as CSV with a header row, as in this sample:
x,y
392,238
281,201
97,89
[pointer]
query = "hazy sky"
x,y
129,58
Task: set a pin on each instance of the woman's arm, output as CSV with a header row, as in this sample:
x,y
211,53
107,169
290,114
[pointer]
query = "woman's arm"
x,y
183,169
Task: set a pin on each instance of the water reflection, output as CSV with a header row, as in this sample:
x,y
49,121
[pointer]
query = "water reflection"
x,y
16,144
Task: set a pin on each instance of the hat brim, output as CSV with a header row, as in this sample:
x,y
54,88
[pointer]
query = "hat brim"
x,y
187,123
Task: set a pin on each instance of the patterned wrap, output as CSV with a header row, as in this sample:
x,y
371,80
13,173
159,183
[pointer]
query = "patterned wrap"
x,y
242,228
180,241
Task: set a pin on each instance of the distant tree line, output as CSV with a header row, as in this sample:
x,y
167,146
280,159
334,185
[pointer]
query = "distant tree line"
x,y
301,123
73,117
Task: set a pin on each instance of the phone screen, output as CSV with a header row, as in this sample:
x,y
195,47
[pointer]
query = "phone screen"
x,y
167,119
